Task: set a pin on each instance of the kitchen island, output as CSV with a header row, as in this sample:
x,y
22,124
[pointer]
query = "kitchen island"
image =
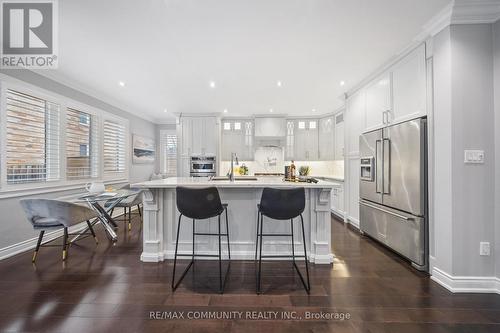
x,y
242,195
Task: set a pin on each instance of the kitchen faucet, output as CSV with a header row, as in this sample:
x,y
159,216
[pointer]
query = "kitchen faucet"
x,y
234,157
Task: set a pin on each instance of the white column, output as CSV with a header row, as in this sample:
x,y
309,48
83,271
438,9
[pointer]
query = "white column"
x,y
153,243
320,222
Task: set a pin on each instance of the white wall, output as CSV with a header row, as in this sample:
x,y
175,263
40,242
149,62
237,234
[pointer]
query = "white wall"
x,y
496,58
464,119
13,227
441,250
472,128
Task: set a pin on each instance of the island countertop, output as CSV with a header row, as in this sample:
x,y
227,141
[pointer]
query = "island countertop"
x,y
261,182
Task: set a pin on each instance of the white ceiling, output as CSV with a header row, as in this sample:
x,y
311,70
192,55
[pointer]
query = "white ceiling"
x,y
168,51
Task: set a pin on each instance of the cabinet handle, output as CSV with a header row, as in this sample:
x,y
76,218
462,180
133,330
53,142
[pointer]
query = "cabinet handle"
x,y
387,115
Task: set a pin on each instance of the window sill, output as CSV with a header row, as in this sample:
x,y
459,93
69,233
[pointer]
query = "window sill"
x,y
37,188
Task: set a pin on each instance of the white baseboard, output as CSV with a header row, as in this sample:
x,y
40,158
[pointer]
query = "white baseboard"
x,y
466,284
30,244
235,255
352,221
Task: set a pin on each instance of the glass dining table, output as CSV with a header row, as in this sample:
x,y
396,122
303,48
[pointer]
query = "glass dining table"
x,y
103,203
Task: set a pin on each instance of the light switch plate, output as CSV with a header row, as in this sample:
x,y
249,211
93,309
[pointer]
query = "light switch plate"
x,y
474,156
484,248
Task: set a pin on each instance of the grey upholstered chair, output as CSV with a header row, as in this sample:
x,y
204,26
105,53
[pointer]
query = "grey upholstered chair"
x,y
47,214
132,201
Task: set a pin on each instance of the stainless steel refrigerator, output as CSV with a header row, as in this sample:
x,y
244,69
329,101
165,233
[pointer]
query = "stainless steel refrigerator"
x,y
393,188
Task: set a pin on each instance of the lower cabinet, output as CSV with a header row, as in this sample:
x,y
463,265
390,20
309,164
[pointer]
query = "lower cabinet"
x,y
337,200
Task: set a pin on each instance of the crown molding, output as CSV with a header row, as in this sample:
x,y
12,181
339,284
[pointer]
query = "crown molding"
x,y
461,12
456,12
475,11
437,23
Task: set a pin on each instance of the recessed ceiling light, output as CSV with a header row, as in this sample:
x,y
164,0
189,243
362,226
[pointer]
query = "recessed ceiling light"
x,y
165,110
342,83
212,84
225,110
271,110
313,110
121,83
279,84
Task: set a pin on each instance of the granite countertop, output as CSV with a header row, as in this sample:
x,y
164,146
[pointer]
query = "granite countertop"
x,y
261,182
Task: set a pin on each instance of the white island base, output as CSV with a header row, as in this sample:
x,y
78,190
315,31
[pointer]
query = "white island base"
x,y
160,221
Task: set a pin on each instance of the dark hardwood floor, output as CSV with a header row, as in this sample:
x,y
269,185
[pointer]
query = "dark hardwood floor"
x,y
106,288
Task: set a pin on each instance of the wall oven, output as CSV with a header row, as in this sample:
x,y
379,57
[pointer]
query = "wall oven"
x,y
202,166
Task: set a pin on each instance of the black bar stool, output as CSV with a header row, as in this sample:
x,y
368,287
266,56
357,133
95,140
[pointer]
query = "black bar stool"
x,y
281,204
200,204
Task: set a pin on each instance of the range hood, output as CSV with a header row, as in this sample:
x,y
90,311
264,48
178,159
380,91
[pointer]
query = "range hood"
x,y
270,129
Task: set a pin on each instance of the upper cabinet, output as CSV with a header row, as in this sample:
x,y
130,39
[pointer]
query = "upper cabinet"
x,y
355,121
399,94
326,139
339,136
378,101
237,137
306,140
409,87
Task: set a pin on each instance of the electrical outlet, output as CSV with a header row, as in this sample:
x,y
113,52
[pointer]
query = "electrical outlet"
x,y
484,248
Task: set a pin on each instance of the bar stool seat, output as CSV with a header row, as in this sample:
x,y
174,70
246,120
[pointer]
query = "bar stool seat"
x,y
201,204
281,204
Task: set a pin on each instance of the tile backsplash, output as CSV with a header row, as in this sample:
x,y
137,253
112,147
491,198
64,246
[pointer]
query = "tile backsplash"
x,y
271,160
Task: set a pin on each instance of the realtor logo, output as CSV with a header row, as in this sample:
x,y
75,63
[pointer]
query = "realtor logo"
x,y
28,34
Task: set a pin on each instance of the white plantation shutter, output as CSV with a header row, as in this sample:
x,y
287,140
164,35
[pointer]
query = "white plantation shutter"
x,y
168,152
32,139
114,150
82,145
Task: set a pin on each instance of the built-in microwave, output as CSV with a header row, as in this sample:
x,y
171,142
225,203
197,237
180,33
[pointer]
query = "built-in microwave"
x,y
367,168
202,166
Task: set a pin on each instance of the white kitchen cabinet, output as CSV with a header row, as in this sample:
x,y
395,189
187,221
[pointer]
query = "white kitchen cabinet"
x,y
337,200
378,102
237,137
339,136
290,140
355,121
203,135
306,140
352,198
409,87
197,136
326,138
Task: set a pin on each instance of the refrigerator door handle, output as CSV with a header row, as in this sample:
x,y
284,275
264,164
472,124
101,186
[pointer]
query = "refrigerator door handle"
x,y
378,163
386,211
387,166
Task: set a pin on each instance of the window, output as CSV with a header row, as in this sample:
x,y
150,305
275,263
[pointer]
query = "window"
x,y
312,124
237,126
302,125
114,147
84,150
81,145
84,119
32,139
168,151
227,126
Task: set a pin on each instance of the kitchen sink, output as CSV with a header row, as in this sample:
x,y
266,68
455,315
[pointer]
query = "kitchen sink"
x,y
235,178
